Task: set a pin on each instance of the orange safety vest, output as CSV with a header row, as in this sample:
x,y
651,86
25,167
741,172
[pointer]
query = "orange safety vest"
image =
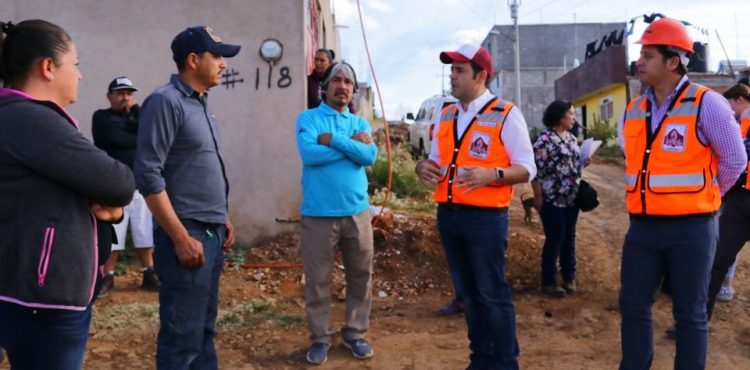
x,y
745,130
479,146
669,172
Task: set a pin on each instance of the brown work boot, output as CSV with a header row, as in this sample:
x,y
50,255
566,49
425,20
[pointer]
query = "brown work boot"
x,y
570,287
553,291
150,280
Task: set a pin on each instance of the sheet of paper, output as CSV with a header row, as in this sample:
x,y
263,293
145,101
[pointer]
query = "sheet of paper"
x,y
589,147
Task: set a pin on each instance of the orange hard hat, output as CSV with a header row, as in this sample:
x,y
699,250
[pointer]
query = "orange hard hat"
x,y
668,32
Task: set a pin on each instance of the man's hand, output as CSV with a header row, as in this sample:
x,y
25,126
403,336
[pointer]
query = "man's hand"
x,y
106,213
189,252
229,242
429,172
325,139
363,137
474,178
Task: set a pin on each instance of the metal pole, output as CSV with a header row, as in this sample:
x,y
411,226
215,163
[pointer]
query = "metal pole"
x,y
442,81
729,61
516,48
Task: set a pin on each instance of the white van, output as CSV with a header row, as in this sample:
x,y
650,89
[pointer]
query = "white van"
x,y
420,132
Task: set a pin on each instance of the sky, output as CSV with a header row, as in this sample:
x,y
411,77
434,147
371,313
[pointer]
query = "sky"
x,y
405,37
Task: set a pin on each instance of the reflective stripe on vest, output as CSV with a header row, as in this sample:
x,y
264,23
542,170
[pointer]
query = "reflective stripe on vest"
x,y
669,172
663,181
479,146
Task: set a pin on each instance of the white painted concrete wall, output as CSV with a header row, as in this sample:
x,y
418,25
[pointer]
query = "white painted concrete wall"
x,y
257,121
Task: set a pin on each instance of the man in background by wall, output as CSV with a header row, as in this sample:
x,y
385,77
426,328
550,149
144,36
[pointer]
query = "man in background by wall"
x,y
115,131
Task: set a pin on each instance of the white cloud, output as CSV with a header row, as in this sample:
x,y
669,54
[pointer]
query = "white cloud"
x,y
346,11
471,36
371,23
346,14
379,5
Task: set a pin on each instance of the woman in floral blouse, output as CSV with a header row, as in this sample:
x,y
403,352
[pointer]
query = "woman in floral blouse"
x,y
558,162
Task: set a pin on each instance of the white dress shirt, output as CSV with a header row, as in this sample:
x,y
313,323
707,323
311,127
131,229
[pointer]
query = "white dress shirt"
x,y
515,134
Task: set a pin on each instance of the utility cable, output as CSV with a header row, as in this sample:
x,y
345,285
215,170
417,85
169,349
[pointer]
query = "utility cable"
x,y
385,121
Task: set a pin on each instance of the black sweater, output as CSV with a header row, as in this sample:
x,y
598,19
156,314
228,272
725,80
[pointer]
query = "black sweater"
x,y
116,133
49,175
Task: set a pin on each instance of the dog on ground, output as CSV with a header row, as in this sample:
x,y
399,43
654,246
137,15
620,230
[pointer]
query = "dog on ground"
x,y
528,204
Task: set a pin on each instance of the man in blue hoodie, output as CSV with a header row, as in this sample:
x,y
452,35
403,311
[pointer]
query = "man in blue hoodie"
x,y
335,147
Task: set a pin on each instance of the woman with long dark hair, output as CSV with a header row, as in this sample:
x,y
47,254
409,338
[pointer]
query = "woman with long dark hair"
x,y
54,186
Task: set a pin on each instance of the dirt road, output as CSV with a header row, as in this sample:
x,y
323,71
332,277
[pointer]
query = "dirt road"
x,y
262,327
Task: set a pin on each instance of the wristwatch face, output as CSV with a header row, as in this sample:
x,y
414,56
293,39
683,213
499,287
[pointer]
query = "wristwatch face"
x,y
499,173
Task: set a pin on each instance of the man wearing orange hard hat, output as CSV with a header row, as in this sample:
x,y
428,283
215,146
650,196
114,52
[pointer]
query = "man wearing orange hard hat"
x,y
683,152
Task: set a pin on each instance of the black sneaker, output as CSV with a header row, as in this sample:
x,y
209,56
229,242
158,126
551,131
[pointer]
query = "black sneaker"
x,y
108,284
150,280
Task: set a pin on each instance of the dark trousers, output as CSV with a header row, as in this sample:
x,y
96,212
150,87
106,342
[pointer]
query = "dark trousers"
x,y
734,231
188,300
559,243
475,242
41,339
684,247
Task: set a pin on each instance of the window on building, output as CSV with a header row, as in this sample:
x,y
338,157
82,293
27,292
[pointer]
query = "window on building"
x,y
606,108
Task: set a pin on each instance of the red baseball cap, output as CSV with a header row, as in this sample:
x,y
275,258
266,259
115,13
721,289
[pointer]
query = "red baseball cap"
x,y
467,53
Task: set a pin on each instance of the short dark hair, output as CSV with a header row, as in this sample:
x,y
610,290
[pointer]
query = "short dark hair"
x,y
180,63
666,53
475,68
24,44
554,112
738,91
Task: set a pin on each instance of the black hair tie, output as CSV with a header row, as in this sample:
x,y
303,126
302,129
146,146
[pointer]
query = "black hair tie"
x,y
8,26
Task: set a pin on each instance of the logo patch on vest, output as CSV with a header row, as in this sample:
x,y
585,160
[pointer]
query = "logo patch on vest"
x,y
674,137
487,124
480,145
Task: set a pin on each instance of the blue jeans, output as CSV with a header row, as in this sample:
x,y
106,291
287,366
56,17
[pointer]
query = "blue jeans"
x,y
560,242
733,233
684,246
475,241
188,300
38,339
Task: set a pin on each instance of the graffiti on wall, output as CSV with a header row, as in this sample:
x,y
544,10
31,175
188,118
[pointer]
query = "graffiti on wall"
x,y
282,79
230,77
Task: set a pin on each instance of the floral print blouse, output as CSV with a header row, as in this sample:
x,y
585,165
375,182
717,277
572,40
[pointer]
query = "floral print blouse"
x,y
558,163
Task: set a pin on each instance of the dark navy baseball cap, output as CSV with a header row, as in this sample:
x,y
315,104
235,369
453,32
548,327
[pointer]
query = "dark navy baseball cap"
x,y
198,40
121,83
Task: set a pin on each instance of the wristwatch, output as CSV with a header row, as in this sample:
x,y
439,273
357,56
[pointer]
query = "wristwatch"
x,y
499,174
